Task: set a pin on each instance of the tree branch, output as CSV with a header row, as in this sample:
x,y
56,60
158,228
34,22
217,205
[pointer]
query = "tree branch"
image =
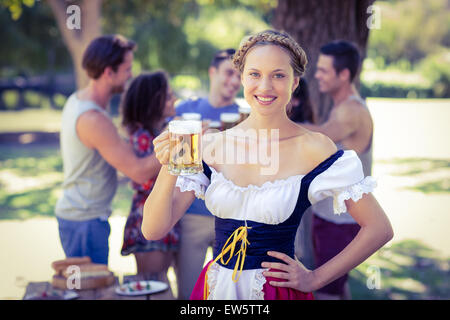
x,y
59,11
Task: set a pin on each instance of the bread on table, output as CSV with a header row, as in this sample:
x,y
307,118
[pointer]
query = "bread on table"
x,y
61,265
91,275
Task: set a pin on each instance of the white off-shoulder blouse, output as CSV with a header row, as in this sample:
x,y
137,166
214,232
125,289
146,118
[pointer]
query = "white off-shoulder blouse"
x,y
273,203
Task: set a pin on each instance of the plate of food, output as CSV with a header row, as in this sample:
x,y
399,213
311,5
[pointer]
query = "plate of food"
x,y
52,294
137,288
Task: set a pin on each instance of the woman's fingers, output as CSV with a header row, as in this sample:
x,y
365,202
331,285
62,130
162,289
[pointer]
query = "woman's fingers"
x,y
276,265
161,147
279,275
286,284
281,256
166,156
163,136
291,272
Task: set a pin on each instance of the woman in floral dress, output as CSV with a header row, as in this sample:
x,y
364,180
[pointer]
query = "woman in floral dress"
x,y
147,103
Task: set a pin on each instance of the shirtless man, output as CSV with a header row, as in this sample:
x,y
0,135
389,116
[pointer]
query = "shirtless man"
x,y
350,126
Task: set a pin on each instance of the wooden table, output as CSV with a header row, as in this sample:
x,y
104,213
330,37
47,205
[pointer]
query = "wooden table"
x,y
45,291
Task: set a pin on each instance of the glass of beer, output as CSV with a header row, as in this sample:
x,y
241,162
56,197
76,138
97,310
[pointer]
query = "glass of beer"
x,y
229,120
244,112
185,147
215,125
191,116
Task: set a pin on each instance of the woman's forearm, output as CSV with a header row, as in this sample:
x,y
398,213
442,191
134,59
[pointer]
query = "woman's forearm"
x,y
157,216
367,241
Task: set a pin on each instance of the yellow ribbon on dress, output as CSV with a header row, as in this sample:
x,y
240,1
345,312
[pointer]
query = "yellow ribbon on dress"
x,y
240,234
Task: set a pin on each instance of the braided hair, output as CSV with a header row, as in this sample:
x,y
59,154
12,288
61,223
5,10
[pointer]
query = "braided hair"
x,y
277,38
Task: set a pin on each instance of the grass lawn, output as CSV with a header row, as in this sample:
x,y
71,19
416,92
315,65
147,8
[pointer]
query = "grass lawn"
x,y
30,182
30,120
405,270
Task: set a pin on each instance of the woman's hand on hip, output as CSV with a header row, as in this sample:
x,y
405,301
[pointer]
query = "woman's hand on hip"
x,y
293,273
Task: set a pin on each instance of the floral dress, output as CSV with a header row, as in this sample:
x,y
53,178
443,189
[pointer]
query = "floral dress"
x,y
133,240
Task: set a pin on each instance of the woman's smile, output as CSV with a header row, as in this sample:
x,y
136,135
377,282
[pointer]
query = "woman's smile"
x,y
265,99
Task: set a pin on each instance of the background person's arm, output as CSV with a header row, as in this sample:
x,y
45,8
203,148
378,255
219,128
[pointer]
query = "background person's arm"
x,y
343,122
97,131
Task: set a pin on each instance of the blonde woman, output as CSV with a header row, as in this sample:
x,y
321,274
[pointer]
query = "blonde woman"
x,y
257,214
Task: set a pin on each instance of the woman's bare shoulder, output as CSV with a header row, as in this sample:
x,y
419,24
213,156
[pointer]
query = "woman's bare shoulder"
x,y
318,146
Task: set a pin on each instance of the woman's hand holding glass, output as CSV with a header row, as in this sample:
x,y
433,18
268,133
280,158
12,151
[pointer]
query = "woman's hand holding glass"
x,y
161,146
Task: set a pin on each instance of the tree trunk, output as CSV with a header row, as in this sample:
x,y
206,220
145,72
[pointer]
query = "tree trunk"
x,y
77,40
314,23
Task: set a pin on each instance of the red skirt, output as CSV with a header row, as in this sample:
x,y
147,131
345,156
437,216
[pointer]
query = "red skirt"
x,y
270,292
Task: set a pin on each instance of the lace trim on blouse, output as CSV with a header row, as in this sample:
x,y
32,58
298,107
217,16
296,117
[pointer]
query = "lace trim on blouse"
x,y
197,183
257,288
354,192
212,280
265,185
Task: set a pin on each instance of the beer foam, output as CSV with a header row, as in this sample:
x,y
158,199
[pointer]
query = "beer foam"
x,y
245,109
191,116
185,126
214,124
229,117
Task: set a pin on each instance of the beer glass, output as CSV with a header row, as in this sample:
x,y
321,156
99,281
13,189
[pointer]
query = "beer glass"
x,y
229,120
185,147
191,116
244,112
215,125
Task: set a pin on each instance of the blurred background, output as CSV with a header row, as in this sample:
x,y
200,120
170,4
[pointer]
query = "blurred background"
x,y
405,79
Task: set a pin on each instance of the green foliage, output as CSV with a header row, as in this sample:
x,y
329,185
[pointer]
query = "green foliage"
x,y
181,36
437,69
33,176
186,82
394,81
10,98
59,100
196,30
15,6
414,42
173,35
410,30
32,98
438,169
430,79
408,270
223,28
34,43
389,90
